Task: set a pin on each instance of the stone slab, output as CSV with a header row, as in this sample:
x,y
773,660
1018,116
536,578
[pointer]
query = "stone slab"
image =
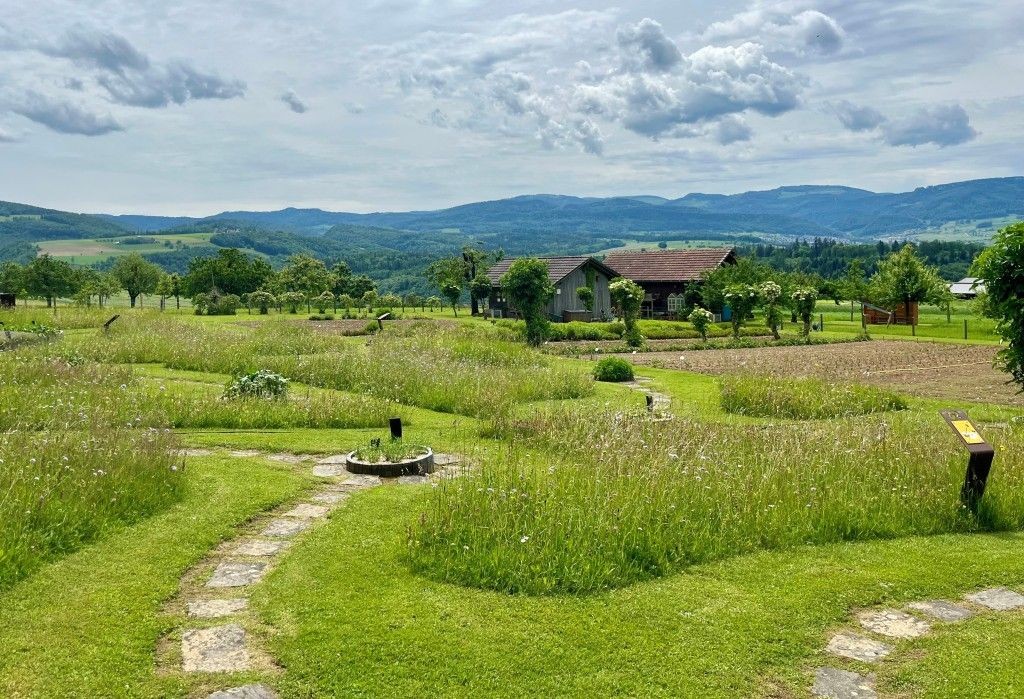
x,y
998,598
215,608
329,470
447,459
841,684
412,480
259,547
307,511
244,453
234,574
330,497
247,691
196,452
219,649
362,480
849,645
285,528
333,460
942,610
286,458
893,623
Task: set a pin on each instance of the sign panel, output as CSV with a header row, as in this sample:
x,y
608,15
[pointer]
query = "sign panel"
x,y
967,431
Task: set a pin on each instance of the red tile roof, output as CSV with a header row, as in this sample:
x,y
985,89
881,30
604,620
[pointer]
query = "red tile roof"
x,y
668,265
558,267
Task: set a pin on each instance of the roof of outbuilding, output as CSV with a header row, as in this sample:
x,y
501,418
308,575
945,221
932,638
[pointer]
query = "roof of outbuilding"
x,y
668,265
558,267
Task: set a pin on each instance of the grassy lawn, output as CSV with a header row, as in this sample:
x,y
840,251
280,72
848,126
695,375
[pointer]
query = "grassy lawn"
x,y
87,625
726,547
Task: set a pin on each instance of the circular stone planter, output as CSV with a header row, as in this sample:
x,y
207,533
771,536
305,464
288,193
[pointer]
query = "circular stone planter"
x,y
416,466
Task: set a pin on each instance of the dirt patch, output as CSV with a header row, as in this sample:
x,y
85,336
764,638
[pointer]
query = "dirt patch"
x,y
929,369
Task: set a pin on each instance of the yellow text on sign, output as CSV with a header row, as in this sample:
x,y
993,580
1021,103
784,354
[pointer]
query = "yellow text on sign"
x,y
967,431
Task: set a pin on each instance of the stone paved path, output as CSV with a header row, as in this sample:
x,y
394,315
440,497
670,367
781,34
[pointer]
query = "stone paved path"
x,y
660,402
895,625
222,583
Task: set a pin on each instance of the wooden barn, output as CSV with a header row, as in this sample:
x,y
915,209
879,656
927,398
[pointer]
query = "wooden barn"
x,y
567,274
874,315
667,275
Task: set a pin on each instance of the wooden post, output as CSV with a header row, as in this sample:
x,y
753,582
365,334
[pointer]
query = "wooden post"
x,y
965,328
395,424
979,460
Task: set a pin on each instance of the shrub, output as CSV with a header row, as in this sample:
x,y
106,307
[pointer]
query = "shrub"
x,y
1002,268
702,319
260,384
628,296
613,369
322,316
529,289
803,399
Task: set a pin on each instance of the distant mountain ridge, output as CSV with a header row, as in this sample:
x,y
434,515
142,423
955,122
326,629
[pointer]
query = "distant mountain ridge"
x,y
792,211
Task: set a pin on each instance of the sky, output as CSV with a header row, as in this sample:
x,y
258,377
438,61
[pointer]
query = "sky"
x,y
192,108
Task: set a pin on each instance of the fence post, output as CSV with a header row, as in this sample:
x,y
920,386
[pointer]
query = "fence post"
x,y
965,328
821,322
913,329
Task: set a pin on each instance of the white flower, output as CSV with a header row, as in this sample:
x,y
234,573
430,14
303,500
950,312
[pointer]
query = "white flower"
x,y
524,539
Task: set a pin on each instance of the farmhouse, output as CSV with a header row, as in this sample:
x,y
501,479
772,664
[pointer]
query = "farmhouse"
x,y
667,275
967,288
567,274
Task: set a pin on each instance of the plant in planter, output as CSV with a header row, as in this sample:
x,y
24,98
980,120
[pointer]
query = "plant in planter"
x,y
391,457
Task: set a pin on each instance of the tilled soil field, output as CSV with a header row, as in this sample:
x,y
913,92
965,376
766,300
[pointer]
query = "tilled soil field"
x,y
929,369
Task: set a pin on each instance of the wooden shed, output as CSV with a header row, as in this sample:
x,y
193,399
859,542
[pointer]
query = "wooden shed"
x,y
668,275
874,315
567,274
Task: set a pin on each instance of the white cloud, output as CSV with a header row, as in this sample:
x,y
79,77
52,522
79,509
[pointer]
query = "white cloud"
x,y
64,117
941,125
780,28
857,118
645,46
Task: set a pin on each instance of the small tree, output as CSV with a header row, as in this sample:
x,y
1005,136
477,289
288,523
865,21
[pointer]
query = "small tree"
x,y
174,288
389,301
263,300
452,292
323,301
136,274
628,297
292,299
433,303
586,296
803,303
346,302
414,301
701,318
528,287
742,300
903,277
1001,266
770,293
370,299
479,289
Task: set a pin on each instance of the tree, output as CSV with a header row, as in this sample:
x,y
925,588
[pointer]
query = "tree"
x,y
854,285
49,278
528,287
230,271
346,302
702,320
262,299
903,277
323,301
742,300
369,300
745,272
433,302
414,301
803,303
136,274
292,299
448,275
108,286
359,285
628,297
12,278
174,288
389,301
586,296
307,275
163,289
1002,268
453,292
770,293
479,289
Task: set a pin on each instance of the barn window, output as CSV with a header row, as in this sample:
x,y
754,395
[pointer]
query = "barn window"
x,y
675,302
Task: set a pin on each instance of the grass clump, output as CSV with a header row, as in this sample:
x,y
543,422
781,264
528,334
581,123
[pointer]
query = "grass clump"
x,y
622,499
65,488
613,369
388,451
804,399
259,384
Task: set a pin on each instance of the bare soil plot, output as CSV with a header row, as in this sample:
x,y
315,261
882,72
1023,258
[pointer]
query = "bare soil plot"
x,y
928,369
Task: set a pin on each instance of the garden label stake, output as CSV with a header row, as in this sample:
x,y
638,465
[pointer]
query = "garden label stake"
x,y
979,460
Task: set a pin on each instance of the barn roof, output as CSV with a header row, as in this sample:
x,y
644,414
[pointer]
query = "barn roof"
x,y
968,286
558,267
669,265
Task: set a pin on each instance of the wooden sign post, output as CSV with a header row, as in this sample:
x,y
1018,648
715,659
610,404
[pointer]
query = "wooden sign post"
x,y
979,459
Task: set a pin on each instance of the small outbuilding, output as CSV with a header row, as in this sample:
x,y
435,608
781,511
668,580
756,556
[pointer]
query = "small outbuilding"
x,y
967,288
7,300
669,276
567,274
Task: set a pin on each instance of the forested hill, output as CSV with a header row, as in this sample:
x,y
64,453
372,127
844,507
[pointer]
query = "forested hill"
x,y
786,212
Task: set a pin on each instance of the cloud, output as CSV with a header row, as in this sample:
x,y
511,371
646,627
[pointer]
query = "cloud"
x,y
942,125
800,32
857,118
732,129
7,136
294,103
646,46
159,86
127,75
64,117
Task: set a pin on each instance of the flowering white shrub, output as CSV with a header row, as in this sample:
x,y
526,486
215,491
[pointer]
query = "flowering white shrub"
x,y
261,384
701,318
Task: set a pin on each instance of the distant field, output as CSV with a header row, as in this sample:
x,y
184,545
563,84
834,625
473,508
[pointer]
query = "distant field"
x,y
90,250
637,245
979,231
19,217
